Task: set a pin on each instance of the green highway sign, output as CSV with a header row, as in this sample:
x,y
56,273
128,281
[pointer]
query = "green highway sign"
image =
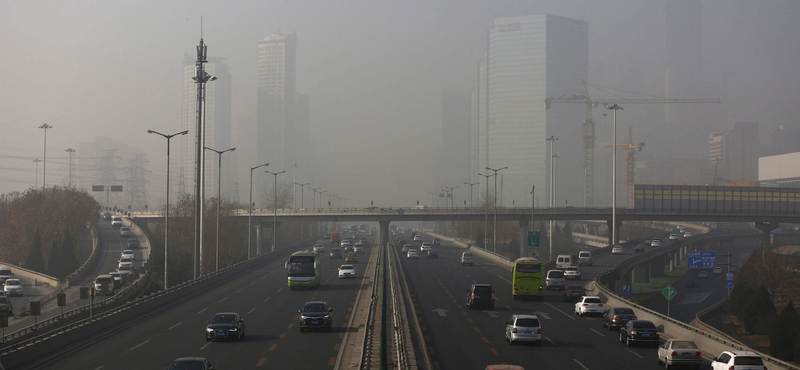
x,y
669,292
533,239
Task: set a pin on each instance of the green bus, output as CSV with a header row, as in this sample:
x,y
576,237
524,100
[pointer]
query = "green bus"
x,y
527,278
303,269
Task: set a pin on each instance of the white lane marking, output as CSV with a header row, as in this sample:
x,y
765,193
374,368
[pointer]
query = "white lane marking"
x,y
598,333
203,310
565,314
139,345
98,368
579,363
204,347
251,311
175,326
223,299
279,290
267,299
240,290
550,340
629,350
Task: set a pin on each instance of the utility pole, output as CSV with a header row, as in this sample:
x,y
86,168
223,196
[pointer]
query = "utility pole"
x,y
200,78
44,165
70,151
495,205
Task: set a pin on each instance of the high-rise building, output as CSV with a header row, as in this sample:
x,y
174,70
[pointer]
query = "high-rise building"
x,y
734,152
454,166
217,135
530,58
283,120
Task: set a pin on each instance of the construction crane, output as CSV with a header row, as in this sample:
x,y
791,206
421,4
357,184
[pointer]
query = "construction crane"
x,y
588,125
629,165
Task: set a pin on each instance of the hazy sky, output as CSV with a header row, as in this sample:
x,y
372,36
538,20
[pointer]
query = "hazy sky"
x,y
374,71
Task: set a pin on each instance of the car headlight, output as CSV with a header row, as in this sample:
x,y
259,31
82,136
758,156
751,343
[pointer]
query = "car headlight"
x,y
326,317
232,329
209,330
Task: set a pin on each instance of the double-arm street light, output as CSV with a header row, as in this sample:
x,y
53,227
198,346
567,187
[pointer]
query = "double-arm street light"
x,y
44,165
219,193
275,208
432,193
486,216
495,204
314,198
470,192
452,195
615,108
250,208
166,209
302,198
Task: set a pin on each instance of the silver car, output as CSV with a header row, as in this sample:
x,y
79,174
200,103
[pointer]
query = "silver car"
x,y
676,352
524,328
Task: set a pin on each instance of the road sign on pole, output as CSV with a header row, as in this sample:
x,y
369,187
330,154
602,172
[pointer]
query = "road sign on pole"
x,y
627,290
701,260
669,292
533,239
729,280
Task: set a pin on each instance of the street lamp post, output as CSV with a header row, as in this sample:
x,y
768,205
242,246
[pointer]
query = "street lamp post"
x,y
70,151
615,108
432,193
470,192
37,160
302,198
44,165
250,208
452,195
314,198
494,233
166,209
275,208
219,194
553,197
486,216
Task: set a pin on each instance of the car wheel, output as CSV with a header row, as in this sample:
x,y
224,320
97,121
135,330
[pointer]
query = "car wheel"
x,y
628,341
659,360
666,366
620,338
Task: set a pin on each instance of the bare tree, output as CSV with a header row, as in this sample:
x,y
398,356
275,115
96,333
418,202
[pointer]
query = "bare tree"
x,y
284,195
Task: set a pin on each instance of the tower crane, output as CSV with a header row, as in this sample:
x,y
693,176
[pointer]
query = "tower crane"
x,y
629,164
588,125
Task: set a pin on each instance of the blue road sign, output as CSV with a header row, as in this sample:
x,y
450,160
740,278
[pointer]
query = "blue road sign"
x,y
701,260
627,290
729,280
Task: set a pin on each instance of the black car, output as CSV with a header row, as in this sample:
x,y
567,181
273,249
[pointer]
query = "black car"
x,y
133,243
573,293
316,314
617,317
433,254
639,248
480,295
225,325
191,363
639,331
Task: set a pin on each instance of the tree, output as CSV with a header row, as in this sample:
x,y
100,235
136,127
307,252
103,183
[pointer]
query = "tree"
x,y
284,195
760,312
35,259
67,259
784,332
53,265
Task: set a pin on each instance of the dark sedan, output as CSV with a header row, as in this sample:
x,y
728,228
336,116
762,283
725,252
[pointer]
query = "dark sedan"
x,y
573,293
316,314
133,243
639,331
617,317
225,325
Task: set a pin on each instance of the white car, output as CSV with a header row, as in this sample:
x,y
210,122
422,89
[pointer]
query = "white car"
x,y
358,248
572,272
125,262
426,246
617,250
417,238
13,287
687,234
125,231
737,360
128,254
655,243
412,253
673,236
116,220
589,305
347,271
524,328
319,248
125,270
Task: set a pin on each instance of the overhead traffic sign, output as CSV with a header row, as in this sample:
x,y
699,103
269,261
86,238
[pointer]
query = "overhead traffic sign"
x,y
669,292
701,260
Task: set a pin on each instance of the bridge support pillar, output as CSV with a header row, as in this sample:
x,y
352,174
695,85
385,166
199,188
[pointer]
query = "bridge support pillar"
x,y
639,274
611,232
523,240
259,237
384,231
766,229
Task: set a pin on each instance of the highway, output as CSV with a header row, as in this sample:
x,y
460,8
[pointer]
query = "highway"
x,y
455,337
267,306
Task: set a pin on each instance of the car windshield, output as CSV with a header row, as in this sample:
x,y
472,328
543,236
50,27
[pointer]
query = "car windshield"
x,y
527,322
223,319
572,269
480,290
555,274
747,360
644,325
187,365
12,282
592,300
315,307
684,344
346,267
623,311
575,287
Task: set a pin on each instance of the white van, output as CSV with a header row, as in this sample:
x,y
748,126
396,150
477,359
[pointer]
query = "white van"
x,y
563,261
116,220
5,273
466,258
585,258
